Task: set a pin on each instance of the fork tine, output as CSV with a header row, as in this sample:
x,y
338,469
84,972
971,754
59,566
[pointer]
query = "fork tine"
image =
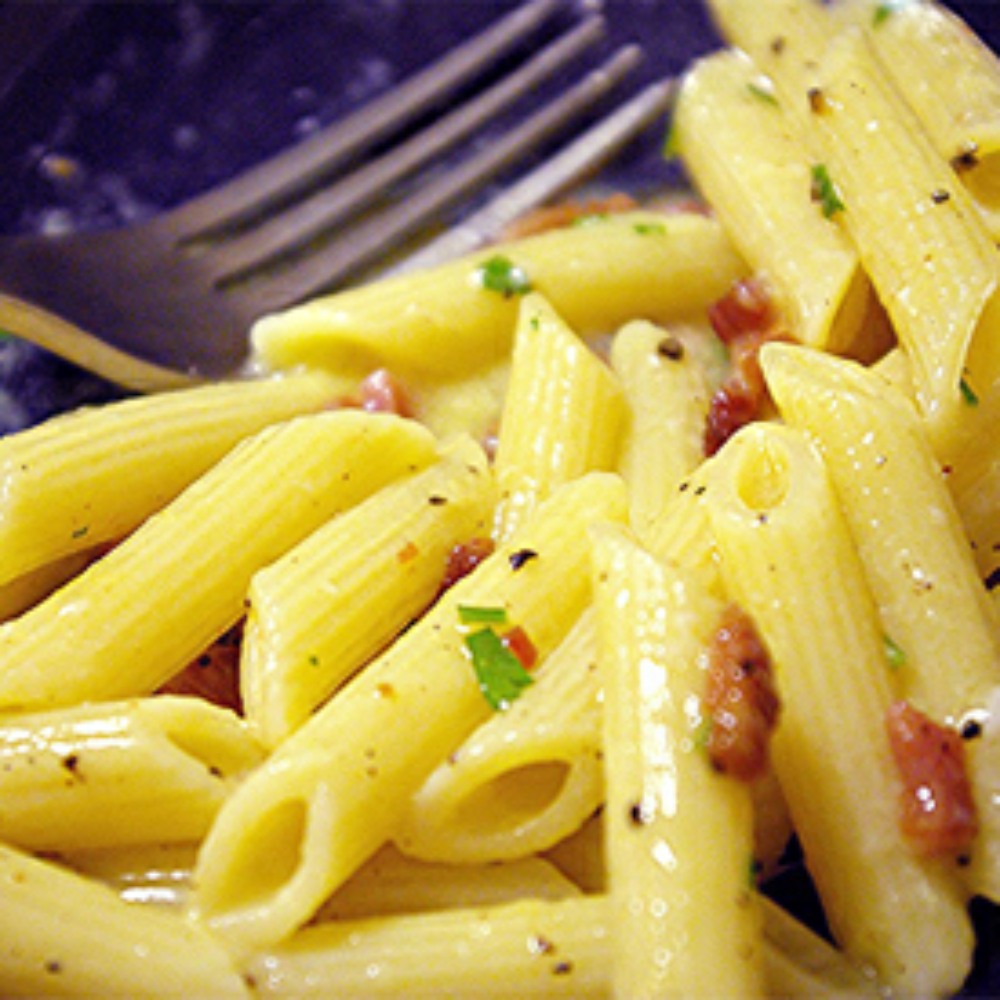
x,y
279,179
366,242
232,260
580,159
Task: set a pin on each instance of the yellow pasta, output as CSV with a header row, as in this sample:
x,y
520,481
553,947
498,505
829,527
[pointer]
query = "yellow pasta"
x,y
336,790
527,777
150,770
788,559
950,79
535,948
667,391
329,604
679,834
141,613
446,321
916,230
747,157
61,482
391,883
562,416
65,935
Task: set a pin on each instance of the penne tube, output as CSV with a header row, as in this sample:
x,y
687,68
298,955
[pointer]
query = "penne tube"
x,y
391,883
918,235
952,82
904,523
149,874
527,777
911,541
62,480
788,559
64,935
563,414
679,834
667,392
746,155
448,320
154,770
336,790
784,38
335,600
147,608
26,590
526,949
530,776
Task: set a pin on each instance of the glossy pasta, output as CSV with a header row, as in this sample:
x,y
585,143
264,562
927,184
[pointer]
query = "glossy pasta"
x,y
489,730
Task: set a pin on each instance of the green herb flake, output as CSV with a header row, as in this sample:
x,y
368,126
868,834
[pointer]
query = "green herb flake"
x,y
671,149
893,652
590,219
500,274
81,532
762,93
650,228
968,393
825,191
884,11
472,614
501,675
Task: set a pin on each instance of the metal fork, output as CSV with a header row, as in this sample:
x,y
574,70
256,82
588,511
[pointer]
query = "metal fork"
x,y
170,301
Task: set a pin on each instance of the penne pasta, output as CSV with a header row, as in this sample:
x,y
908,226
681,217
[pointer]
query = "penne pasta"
x,y
66,935
62,480
448,321
918,235
667,393
146,609
335,600
335,791
153,770
390,883
952,82
747,157
562,416
776,520
526,778
524,949
679,835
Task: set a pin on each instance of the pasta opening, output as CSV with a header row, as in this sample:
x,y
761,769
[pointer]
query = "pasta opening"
x,y
208,747
761,480
984,182
512,798
271,855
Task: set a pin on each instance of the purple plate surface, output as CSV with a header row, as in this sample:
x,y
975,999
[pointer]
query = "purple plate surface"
x,y
114,110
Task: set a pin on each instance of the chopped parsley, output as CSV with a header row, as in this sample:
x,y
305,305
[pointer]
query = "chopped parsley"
x,y
671,149
825,191
501,675
500,274
650,228
893,652
884,11
968,393
762,93
472,614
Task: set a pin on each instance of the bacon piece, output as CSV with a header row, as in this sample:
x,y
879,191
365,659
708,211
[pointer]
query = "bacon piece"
x,y
565,214
744,320
214,675
380,392
519,643
464,558
745,308
742,703
937,811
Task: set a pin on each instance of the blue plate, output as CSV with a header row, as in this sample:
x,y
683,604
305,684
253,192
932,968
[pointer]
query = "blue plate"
x,y
150,103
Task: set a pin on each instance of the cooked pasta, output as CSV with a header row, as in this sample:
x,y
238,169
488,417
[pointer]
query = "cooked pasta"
x,y
669,550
